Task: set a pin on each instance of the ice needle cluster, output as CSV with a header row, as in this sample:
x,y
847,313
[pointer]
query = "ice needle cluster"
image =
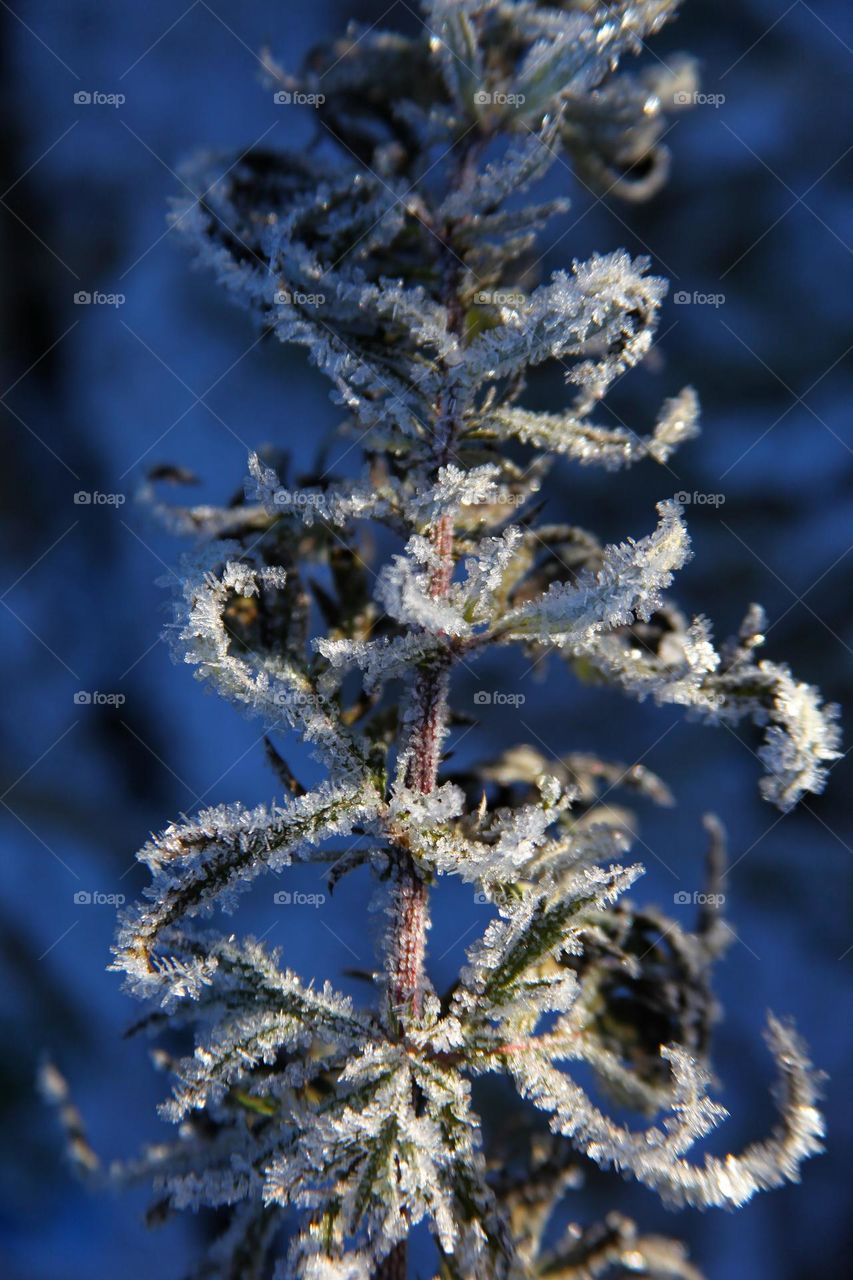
x,y
399,254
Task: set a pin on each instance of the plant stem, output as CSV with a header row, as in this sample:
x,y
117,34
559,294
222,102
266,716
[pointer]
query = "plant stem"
x,y
429,696
393,1265
408,936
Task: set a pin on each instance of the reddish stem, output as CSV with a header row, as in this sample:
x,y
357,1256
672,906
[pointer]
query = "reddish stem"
x,y
408,940
393,1265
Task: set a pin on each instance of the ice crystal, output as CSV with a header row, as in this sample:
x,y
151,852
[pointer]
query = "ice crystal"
x,y
628,585
803,737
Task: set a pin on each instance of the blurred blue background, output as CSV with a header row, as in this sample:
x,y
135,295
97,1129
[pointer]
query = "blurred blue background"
x,y
758,210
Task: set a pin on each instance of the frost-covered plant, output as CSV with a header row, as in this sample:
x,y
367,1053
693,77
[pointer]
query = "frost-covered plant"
x,y
401,261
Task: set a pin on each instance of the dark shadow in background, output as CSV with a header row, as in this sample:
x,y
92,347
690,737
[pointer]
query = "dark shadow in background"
x,y
758,210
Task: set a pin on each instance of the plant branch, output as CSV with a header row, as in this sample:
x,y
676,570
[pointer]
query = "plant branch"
x,y
429,695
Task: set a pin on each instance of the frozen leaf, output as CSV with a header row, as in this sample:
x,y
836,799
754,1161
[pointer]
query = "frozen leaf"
x,y
608,447
628,585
